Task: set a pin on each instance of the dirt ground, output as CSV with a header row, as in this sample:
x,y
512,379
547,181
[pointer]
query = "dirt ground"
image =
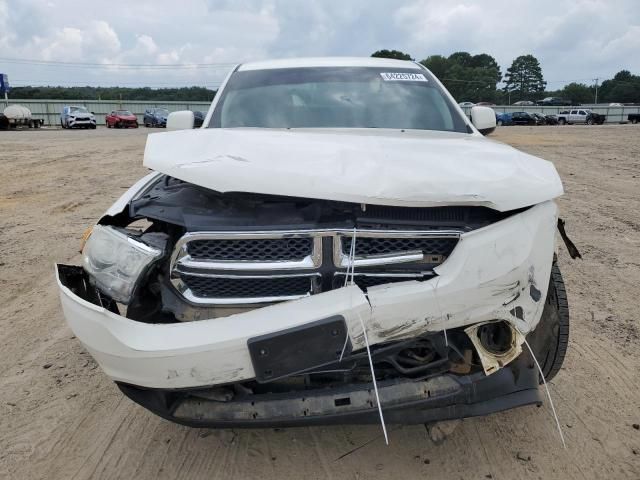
x,y
61,418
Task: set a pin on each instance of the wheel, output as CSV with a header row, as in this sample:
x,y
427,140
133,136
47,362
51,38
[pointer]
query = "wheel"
x,y
550,339
589,121
118,125
499,123
92,127
62,125
634,121
562,121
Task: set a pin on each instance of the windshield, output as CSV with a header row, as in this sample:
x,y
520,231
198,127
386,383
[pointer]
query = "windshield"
x,y
162,111
78,110
124,112
336,97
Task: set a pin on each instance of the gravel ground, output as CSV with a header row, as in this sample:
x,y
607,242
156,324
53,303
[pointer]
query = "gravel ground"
x,y
61,418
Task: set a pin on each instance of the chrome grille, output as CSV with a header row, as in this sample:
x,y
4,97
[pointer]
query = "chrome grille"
x,y
227,268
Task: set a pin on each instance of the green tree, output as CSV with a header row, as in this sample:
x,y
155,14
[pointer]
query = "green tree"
x,y
437,64
524,79
396,54
623,87
468,77
114,93
578,93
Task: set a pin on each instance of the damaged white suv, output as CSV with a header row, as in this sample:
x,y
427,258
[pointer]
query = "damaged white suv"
x,y
329,213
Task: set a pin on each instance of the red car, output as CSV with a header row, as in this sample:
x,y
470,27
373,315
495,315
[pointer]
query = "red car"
x,y
121,119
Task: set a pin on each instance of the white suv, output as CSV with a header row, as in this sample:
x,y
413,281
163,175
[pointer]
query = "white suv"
x,y
336,222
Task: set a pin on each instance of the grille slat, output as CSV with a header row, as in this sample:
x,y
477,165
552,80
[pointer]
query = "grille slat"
x,y
266,249
383,246
221,287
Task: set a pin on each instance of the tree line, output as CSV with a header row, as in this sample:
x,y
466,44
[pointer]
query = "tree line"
x,y
184,94
475,78
472,78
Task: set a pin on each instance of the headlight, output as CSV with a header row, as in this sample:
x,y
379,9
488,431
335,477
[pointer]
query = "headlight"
x,y
116,261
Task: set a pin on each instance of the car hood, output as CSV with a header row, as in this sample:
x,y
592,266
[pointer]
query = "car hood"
x,y
383,167
126,117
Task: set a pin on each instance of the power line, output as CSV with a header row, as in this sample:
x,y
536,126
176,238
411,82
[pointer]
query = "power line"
x,y
139,66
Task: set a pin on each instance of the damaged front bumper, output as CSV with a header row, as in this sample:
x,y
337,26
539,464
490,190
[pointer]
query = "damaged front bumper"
x,y
499,272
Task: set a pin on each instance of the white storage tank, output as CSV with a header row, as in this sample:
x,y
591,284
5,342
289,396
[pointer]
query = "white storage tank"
x,y
17,112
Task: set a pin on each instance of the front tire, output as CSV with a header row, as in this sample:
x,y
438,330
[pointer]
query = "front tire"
x,y
550,339
562,121
589,121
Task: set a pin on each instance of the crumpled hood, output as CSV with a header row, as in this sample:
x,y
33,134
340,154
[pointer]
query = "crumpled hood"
x,y
383,167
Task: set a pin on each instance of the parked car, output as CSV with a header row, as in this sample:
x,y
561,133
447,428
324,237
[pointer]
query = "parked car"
x,y
486,104
540,118
198,119
503,119
616,105
554,101
633,118
121,119
76,116
305,260
580,115
523,118
466,104
155,117
524,103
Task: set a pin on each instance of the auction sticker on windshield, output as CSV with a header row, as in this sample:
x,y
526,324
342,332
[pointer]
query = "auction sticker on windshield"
x,y
403,77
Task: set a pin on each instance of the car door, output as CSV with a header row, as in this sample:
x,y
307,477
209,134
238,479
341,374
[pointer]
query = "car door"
x,y
573,114
582,116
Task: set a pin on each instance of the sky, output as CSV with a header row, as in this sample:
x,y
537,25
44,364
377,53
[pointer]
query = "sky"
x,y
176,43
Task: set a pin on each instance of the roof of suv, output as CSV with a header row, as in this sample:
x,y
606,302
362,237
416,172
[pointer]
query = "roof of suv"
x,y
329,62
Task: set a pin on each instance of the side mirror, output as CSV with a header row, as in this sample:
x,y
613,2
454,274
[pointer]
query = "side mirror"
x,y
182,120
484,119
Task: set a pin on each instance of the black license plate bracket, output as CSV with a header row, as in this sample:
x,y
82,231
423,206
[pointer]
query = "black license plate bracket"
x,y
298,349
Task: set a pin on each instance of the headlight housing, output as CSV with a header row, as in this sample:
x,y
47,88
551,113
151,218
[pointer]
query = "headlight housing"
x,y
116,261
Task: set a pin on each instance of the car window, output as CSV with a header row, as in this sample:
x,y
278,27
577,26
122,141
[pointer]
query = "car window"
x,y
574,112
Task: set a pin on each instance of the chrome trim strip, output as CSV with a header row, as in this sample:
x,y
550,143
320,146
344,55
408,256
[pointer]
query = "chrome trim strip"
x,y
429,273
181,257
180,250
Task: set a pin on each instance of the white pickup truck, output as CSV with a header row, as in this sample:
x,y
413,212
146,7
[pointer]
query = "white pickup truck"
x,y
337,237
580,115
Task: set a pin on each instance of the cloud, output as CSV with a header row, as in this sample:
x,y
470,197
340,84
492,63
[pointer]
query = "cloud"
x,y
577,40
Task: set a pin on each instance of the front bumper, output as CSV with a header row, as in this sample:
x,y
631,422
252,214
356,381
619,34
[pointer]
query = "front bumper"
x,y
499,272
82,122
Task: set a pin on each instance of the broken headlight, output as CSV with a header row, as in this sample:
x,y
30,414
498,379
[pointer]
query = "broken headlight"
x,y
116,261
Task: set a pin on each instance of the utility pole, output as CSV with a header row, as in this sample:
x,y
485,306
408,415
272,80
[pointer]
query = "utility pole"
x,y
596,99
